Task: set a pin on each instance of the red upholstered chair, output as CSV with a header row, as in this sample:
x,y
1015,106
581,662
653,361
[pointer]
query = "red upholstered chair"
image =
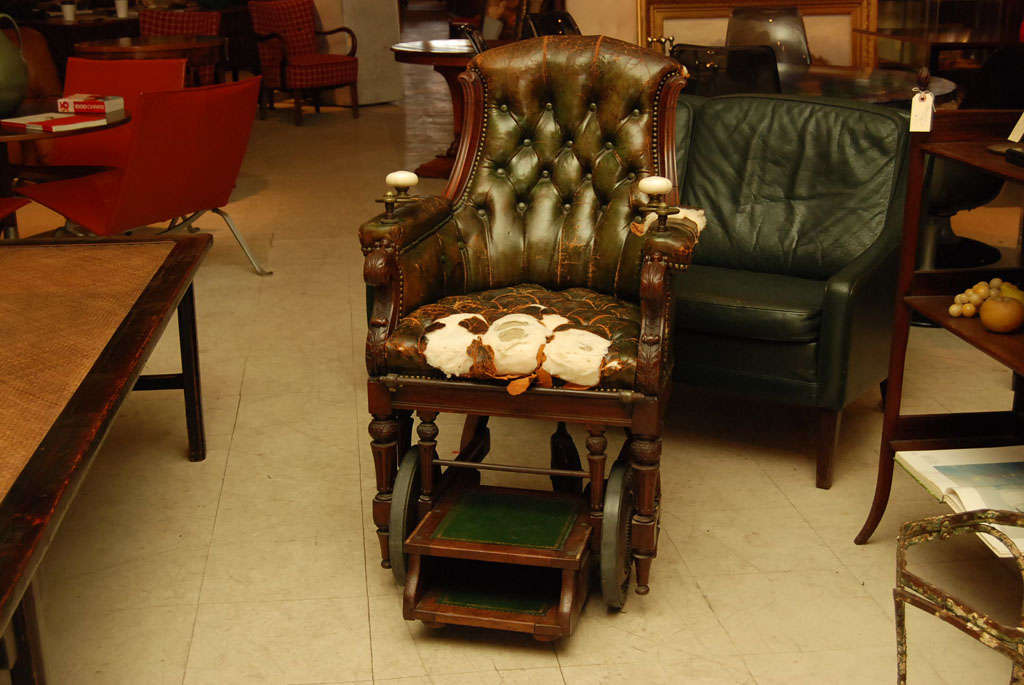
x,y
183,157
291,59
127,78
167,23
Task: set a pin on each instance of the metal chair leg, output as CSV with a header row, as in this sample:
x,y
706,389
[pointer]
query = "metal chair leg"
x,y
241,242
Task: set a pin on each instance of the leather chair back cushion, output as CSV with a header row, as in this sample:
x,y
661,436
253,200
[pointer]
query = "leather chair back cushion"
x,y
790,187
568,133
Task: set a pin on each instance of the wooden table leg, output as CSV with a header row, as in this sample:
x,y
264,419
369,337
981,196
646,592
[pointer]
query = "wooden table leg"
x,y
190,376
8,224
441,166
28,668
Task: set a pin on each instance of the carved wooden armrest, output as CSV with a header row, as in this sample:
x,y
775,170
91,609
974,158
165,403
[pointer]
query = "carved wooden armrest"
x,y
351,36
674,246
412,222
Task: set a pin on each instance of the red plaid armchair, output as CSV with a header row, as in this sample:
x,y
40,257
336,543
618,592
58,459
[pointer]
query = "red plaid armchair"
x,y
290,57
164,23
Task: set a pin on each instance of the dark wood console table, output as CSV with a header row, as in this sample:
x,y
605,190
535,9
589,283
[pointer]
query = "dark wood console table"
x,y
56,410
961,135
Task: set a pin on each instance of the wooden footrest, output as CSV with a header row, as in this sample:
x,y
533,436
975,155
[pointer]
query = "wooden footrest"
x,y
500,558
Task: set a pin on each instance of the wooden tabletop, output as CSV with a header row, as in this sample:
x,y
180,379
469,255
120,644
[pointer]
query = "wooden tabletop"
x,y
451,52
40,496
50,105
148,44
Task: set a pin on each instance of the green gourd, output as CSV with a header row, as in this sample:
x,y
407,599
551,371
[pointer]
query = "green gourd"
x,y
13,72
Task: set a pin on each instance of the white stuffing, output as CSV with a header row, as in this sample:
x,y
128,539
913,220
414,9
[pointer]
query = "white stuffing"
x,y
515,340
575,356
447,348
552,321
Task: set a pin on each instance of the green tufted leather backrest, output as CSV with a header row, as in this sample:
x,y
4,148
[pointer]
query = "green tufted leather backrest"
x,y
569,128
797,186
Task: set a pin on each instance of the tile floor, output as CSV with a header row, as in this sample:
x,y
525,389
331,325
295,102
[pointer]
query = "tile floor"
x,y
260,565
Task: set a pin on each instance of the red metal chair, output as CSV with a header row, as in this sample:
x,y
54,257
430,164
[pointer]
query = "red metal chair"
x,y
127,78
291,59
184,155
166,23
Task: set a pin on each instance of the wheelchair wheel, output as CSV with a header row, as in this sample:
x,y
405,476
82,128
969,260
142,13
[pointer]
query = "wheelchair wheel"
x,y
616,550
403,510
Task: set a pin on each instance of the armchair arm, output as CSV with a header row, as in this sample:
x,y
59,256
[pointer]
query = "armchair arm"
x,y
857,323
351,37
403,269
413,221
664,252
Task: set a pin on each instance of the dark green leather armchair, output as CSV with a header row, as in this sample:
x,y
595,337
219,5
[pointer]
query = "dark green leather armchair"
x,y
790,292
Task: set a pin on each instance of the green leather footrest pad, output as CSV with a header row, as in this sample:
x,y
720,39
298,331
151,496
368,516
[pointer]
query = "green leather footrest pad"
x,y
493,601
495,587
523,520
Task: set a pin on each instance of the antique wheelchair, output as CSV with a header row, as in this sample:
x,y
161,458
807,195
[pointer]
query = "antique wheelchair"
x,y
540,236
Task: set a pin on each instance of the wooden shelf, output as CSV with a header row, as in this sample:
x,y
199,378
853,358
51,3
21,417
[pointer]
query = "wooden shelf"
x,y
976,153
426,540
1007,348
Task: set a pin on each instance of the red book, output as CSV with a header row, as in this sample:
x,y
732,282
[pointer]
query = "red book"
x,y
83,103
54,122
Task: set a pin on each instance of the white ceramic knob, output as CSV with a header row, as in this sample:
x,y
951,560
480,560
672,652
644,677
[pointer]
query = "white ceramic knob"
x,y
654,185
402,179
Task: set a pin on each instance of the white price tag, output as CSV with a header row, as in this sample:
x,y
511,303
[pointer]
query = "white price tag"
x,y
921,109
1018,131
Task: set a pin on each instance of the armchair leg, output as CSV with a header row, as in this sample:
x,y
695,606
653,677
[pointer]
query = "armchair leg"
x,y
427,433
264,97
297,100
354,97
645,458
241,242
828,435
596,446
316,101
384,431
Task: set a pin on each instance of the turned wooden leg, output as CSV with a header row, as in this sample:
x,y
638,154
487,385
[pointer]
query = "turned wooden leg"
x,y
384,430
565,456
645,457
354,97
596,445
297,101
263,98
427,433
828,436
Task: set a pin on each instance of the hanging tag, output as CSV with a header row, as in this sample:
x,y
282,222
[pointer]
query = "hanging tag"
x,y
921,109
1018,131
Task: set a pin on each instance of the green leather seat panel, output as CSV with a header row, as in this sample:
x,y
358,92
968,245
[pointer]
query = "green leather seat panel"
x,y
745,304
790,188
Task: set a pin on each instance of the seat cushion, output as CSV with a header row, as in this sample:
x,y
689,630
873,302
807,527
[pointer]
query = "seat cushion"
x,y
319,71
746,304
555,320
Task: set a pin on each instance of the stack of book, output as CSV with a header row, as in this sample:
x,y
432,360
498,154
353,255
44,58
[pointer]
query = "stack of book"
x,y
75,111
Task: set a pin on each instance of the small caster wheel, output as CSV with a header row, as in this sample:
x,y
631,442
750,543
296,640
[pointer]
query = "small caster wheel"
x,y
403,519
616,550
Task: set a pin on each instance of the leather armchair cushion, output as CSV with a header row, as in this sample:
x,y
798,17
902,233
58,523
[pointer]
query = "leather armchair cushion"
x,y
745,304
790,186
605,316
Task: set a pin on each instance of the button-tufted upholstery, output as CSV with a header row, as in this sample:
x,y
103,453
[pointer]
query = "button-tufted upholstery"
x,y
568,126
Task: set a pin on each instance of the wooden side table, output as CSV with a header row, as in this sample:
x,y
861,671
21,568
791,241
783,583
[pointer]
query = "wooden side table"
x,y
198,50
963,136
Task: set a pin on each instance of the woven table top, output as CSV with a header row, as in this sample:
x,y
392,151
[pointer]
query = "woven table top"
x,y
59,307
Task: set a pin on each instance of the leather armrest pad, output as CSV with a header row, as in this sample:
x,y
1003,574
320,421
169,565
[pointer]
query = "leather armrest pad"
x,y
414,220
674,245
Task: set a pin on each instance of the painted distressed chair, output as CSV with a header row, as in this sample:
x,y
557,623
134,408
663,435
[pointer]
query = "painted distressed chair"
x,y
559,132
916,591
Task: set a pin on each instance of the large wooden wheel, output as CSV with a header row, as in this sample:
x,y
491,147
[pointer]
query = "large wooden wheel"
x,y
616,550
403,519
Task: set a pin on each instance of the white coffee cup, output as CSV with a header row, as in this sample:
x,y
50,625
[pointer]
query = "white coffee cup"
x,y
121,7
68,10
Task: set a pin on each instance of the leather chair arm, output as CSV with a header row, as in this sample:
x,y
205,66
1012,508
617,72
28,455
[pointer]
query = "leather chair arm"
x,y
414,221
857,324
673,246
351,37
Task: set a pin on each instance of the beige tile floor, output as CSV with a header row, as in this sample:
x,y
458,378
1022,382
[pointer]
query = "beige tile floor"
x,y
259,565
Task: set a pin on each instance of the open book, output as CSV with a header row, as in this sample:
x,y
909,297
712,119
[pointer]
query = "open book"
x,y
985,478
